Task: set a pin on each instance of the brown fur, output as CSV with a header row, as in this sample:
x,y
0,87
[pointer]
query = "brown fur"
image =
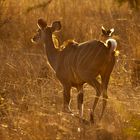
x,y
80,63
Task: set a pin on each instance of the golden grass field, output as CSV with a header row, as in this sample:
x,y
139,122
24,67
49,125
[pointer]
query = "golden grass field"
x,y
30,94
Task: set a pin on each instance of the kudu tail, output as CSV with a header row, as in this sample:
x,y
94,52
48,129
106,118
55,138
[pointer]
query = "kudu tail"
x,y
112,45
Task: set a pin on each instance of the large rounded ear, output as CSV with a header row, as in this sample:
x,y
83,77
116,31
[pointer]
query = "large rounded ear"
x,y
103,30
41,23
111,31
56,26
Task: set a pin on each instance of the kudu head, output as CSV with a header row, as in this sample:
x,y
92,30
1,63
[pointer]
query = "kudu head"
x,y
107,33
44,33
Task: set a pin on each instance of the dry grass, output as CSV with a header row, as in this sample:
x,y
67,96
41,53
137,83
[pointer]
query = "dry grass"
x,y
30,94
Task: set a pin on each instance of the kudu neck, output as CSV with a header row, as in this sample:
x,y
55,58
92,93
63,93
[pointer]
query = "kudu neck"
x,y
51,51
104,38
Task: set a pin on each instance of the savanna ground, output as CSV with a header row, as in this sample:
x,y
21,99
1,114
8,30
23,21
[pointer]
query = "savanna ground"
x,y
30,94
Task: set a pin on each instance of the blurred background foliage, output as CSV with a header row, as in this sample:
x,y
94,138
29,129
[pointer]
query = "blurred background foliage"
x,y
134,4
30,94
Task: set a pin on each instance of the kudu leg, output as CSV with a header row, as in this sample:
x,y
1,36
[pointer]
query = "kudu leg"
x,y
80,101
66,96
105,97
105,76
105,81
97,87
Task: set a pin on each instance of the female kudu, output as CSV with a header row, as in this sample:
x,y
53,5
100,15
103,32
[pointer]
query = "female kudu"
x,y
77,64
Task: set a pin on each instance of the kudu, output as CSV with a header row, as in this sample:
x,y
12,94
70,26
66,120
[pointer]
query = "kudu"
x,y
77,64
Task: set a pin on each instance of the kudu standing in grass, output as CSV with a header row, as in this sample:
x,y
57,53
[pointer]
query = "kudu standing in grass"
x,y
77,64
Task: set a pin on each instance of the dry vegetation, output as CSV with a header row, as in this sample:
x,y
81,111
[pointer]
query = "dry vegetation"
x,y
30,94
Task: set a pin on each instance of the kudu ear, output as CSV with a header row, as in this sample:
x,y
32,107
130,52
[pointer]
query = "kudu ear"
x,y
103,30
111,31
56,26
41,23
